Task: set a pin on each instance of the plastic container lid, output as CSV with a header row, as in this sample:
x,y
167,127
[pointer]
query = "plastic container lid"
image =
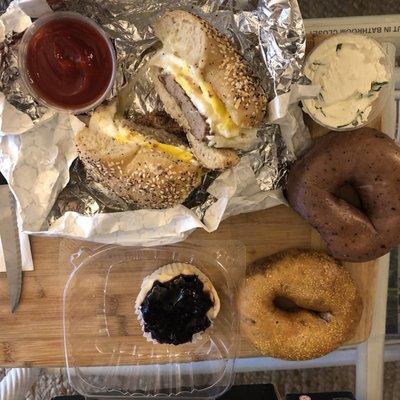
x,y
106,353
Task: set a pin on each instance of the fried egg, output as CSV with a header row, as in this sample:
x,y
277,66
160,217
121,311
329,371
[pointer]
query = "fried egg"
x,y
136,137
201,94
104,121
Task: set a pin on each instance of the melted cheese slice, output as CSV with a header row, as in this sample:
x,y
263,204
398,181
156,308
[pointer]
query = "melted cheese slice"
x,y
201,94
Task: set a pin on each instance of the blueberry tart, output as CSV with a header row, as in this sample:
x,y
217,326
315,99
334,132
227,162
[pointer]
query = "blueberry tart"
x,y
176,303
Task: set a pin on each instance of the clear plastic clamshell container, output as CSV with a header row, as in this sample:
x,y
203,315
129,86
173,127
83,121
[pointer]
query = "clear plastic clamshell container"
x,y
106,353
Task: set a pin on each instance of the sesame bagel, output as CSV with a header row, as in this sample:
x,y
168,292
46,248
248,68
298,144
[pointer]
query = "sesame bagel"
x,y
214,76
147,167
298,305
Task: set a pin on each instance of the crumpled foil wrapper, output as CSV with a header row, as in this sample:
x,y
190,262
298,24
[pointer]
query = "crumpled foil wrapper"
x,y
270,34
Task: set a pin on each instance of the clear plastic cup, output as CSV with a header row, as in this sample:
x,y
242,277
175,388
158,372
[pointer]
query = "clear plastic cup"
x,y
377,105
22,64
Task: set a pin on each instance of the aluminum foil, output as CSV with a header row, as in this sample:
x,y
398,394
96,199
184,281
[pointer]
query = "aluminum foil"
x,y
269,34
283,42
14,23
10,84
137,44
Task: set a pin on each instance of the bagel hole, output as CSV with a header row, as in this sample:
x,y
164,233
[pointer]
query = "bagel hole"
x,y
288,305
326,316
347,193
285,304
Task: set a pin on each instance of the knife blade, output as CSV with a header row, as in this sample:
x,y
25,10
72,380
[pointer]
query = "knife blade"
x,y
11,247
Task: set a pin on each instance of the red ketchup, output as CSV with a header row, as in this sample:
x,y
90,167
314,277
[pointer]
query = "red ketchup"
x,y
69,63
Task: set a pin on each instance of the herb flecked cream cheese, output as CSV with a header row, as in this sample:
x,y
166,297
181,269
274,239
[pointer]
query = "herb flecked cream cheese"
x,y
351,70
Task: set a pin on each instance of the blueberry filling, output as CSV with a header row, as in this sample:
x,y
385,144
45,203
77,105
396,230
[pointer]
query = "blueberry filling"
x,y
175,310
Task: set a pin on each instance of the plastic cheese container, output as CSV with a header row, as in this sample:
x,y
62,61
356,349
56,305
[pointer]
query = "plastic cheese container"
x,y
364,107
106,353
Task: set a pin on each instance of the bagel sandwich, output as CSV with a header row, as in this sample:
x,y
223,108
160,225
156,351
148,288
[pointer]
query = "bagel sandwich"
x,y
147,167
204,83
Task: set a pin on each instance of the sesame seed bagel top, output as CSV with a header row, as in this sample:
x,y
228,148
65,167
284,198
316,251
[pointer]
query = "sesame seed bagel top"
x,y
141,174
201,45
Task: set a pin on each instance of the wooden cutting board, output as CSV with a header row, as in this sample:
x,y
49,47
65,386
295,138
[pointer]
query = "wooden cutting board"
x,y
33,336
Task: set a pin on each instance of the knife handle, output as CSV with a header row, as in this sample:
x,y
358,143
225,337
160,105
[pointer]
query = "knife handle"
x,y
2,180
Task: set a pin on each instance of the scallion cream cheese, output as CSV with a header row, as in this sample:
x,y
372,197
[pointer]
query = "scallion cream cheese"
x,y
351,70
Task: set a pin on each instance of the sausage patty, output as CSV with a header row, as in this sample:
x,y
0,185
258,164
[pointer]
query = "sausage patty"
x,y
198,124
